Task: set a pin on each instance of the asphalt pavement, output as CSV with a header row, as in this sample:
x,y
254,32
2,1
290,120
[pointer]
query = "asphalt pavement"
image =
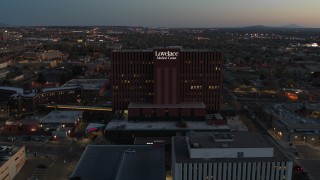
x,y
56,160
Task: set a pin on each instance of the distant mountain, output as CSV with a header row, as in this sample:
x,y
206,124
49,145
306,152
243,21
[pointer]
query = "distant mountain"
x,y
291,26
258,27
3,25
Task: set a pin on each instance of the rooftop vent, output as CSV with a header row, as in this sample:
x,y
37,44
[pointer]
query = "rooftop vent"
x,y
130,151
222,137
224,145
195,145
303,121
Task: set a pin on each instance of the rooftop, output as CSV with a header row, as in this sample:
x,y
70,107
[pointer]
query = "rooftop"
x,y
313,106
58,88
61,117
16,92
284,114
234,140
181,105
152,140
29,120
121,162
86,83
162,125
247,142
14,89
6,151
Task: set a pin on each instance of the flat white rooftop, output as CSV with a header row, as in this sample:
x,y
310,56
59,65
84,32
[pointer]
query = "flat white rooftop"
x,y
59,117
230,147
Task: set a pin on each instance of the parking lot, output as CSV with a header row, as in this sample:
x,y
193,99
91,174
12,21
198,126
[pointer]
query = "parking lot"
x,y
59,159
46,158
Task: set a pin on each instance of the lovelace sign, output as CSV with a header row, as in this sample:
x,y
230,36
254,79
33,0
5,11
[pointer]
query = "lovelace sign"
x,y
171,54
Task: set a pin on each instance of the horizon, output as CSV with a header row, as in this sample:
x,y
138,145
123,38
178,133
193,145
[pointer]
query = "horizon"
x,y
165,13
286,26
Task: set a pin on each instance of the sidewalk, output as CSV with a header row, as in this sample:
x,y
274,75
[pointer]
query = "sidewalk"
x,y
313,147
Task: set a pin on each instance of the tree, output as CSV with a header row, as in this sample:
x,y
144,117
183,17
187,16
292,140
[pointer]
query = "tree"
x,y
6,82
316,82
41,78
64,77
315,74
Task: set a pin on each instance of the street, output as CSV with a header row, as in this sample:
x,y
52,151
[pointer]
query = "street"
x,y
301,154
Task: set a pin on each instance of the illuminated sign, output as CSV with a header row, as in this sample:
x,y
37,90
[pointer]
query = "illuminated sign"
x,y
166,54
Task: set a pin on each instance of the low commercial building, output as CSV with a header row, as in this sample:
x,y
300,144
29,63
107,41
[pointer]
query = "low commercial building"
x,y
61,123
26,126
236,155
18,101
46,55
121,162
293,122
93,90
28,100
12,160
124,132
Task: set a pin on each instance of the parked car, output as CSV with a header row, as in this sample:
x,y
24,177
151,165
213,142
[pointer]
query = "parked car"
x,y
298,169
26,138
12,138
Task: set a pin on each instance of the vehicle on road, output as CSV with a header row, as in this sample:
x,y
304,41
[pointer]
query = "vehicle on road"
x,y
12,138
298,169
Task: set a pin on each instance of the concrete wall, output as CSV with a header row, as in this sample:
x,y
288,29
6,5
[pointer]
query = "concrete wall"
x,y
232,170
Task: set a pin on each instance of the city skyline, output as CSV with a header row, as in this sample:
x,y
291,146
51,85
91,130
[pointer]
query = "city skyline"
x,y
165,13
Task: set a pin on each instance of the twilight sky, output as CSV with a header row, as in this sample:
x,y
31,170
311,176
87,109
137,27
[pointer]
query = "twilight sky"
x,y
161,13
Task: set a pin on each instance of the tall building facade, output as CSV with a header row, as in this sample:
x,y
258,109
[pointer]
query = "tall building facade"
x,y
166,82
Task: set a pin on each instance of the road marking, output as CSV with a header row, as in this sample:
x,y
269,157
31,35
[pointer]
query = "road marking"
x,y
55,159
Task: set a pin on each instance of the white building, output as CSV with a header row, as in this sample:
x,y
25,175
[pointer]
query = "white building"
x,y
12,160
237,155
